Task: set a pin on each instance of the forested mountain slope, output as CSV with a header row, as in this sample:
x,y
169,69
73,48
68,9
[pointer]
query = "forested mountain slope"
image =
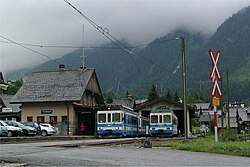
x,y
160,61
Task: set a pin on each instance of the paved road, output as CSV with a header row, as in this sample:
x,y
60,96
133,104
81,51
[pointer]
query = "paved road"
x,y
35,154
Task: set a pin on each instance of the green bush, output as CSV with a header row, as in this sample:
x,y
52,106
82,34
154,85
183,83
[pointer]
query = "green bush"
x,y
211,126
229,135
243,137
196,130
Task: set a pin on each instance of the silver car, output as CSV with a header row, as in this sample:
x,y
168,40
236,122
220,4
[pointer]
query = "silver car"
x,y
27,131
3,131
47,129
12,130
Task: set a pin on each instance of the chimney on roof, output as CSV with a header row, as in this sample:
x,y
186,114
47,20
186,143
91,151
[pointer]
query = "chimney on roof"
x,y
83,68
61,67
130,96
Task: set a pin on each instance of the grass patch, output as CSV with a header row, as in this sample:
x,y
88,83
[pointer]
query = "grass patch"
x,y
207,144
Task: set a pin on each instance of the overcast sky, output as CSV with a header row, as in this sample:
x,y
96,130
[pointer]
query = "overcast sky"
x,y
53,22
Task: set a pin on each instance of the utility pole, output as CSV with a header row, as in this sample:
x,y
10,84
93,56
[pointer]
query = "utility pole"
x,y
228,112
222,107
184,83
238,120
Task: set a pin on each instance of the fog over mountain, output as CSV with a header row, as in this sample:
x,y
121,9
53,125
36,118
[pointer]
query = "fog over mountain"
x,y
46,22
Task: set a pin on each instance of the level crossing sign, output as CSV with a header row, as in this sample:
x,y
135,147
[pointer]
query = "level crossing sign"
x,y
216,101
214,88
214,70
215,74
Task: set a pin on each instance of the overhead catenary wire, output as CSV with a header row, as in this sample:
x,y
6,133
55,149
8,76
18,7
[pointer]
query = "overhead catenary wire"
x,y
87,47
62,46
175,67
91,47
104,31
32,50
113,39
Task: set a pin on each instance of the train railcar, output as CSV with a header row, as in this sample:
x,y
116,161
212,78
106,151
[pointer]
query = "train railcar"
x,y
118,122
143,126
163,122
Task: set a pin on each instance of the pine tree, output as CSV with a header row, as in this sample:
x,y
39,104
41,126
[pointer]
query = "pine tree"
x,y
169,95
153,93
127,93
176,96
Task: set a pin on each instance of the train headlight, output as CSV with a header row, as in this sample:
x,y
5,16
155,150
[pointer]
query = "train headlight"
x,y
100,128
117,128
169,128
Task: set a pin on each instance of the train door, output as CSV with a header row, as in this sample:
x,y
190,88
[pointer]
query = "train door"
x,y
139,125
125,123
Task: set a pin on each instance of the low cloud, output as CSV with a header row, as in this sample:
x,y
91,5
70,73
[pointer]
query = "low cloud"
x,y
47,22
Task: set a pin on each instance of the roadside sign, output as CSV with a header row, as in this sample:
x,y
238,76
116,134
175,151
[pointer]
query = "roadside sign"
x,y
215,74
215,88
215,60
216,101
7,110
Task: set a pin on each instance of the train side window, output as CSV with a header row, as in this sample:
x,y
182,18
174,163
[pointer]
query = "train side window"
x,y
109,117
174,120
135,121
123,118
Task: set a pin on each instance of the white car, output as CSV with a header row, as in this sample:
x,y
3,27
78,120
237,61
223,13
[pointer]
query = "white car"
x,y
47,129
12,130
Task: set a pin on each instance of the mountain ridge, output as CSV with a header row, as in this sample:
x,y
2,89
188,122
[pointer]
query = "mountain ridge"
x,y
161,62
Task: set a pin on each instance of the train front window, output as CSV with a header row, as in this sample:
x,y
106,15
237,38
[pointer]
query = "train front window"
x,y
167,118
109,117
160,119
154,118
101,118
116,117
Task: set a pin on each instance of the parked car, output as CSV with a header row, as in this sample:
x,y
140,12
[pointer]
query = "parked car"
x,y
34,125
12,130
47,129
27,130
3,131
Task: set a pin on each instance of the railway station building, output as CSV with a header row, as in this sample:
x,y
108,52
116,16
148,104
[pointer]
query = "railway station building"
x,y
64,98
145,108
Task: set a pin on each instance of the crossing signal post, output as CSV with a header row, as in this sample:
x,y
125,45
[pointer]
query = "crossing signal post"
x,y
215,77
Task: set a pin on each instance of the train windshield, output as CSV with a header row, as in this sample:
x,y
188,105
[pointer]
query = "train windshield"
x,y
116,117
167,118
109,117
154,118
101,118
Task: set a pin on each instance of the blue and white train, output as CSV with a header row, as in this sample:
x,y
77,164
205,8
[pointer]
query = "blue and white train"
x,y
120,121
163,122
